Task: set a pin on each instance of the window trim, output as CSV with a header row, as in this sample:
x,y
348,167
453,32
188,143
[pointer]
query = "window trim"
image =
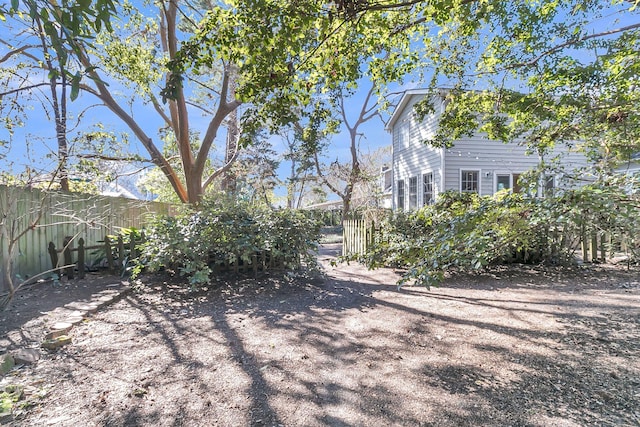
x,y
544,189
495,180
513,180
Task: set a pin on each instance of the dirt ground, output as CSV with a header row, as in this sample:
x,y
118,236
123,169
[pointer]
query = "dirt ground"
x,y
515,347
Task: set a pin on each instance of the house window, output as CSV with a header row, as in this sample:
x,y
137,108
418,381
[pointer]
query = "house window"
x,y
469,182
413,192
549,185
388,180
401,194
508,181
427,188
516,185
503,182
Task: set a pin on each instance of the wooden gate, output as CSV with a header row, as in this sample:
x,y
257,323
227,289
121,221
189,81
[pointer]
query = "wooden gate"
x,y
358,235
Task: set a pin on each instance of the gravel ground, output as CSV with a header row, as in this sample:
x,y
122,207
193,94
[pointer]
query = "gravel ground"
x,y
517,346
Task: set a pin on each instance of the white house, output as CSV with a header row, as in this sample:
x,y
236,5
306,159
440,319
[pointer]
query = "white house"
x,y
473,164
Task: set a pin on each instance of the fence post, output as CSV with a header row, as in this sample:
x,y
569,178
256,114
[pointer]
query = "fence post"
x,y
563,239
81,258
254,262
554,243
109,254
345,237
132,247
357,236
120,253
68,271
585,244
372,236
53,254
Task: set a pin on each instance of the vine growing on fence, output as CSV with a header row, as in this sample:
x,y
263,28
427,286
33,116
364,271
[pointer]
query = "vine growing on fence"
x,y
463,232
223,233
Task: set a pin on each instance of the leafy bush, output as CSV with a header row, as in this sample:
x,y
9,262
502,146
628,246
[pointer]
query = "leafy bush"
x,y
220,232
465,232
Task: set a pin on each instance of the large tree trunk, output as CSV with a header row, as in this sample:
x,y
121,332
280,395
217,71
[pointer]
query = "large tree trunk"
x,y
194,187
192,190
346,206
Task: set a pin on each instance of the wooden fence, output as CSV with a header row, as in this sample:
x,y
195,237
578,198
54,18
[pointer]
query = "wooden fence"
x,y
59,216
358,234
113,254
258,261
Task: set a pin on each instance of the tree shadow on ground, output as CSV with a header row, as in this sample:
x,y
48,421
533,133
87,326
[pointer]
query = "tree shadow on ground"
x,y
352,349
26,310
321,309
557,365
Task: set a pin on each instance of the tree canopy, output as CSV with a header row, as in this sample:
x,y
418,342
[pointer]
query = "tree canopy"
x,y
543,72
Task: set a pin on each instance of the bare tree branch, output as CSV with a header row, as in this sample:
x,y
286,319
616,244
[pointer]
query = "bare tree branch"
x,y
568,43
114,158
224,168
22,89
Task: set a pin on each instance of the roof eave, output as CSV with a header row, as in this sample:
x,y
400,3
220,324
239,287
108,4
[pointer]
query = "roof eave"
x,y
402,104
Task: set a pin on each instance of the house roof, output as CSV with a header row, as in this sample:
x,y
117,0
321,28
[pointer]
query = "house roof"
x,y
115,190
333,204
406,97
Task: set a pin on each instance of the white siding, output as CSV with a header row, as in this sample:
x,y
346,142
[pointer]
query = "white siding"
x,y
494,157
412,158
487,156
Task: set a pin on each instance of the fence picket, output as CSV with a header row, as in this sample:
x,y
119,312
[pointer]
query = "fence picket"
x,y
357,236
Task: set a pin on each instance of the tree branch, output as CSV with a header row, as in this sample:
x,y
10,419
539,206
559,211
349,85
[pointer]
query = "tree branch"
x,y
22,89
114,158
11,53
224,108
102,93
568,43
158,107
224,168
323,178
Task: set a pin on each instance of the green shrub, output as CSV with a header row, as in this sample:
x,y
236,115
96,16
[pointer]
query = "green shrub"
x,y
465,232
223,231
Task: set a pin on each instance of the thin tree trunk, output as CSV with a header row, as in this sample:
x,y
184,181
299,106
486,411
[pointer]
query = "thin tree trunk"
x,y
59,105
229,184
61,133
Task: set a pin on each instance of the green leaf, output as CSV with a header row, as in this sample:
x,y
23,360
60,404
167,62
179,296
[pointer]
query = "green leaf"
x,y
75,86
